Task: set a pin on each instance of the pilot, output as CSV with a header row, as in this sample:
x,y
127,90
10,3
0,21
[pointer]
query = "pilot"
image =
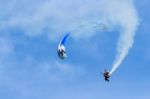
x,y
62,52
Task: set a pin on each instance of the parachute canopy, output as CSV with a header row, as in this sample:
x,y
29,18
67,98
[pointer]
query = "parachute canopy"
x,y
61,47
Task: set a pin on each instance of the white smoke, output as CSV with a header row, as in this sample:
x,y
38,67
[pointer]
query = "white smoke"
x,y
128,19
83,18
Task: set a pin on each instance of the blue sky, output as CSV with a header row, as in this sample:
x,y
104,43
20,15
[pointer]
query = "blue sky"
x,y
31,30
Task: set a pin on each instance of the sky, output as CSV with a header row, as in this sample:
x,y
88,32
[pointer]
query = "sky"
x,y
31,30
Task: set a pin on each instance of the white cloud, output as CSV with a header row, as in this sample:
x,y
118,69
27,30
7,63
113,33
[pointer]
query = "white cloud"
x,y
57,71
82,18
49,70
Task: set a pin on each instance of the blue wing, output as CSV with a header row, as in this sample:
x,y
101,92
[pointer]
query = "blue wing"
x,y
64,39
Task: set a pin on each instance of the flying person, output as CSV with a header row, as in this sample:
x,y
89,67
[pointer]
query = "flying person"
x,y
61,47
106,75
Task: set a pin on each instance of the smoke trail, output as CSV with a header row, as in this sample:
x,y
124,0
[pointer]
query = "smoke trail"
x,y
129,25
83,18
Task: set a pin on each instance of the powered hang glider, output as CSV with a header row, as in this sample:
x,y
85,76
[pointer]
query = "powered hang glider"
x,y
61,47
